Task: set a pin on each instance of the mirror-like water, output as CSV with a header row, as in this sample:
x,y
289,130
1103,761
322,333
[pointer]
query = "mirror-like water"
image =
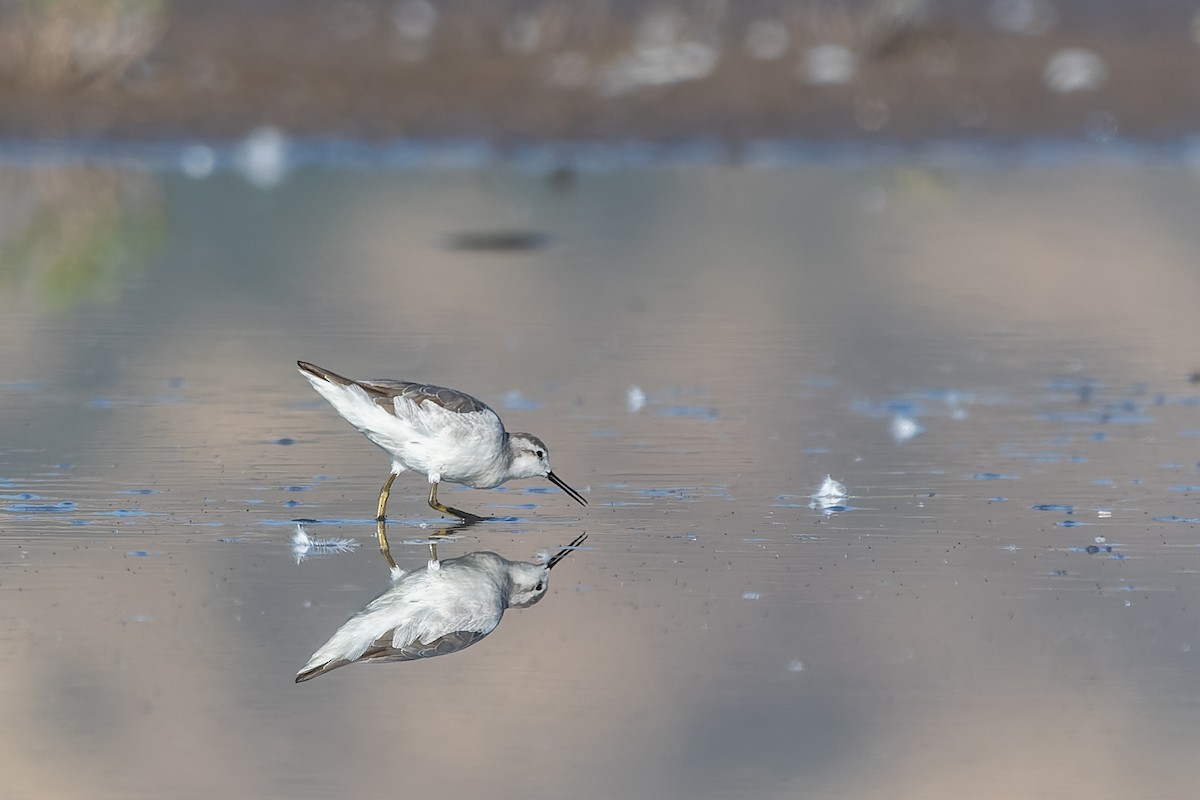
x,y
994,363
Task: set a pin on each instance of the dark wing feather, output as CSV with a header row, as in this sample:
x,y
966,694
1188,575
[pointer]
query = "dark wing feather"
x,y
385,392
443,645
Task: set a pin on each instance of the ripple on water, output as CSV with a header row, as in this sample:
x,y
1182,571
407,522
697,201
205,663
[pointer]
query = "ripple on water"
x,y
41,508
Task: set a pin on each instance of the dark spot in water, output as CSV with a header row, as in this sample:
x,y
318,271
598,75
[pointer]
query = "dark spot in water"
x,y
284,441
140,491
1058,573
514,240
138,553
32,508
291,503
992,476
297,489
1070,523
1054,507
21,496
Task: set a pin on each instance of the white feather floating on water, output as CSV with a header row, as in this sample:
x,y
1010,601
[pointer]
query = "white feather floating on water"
x,y
304,546
830,494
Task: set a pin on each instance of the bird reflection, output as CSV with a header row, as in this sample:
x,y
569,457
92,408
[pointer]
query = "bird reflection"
x,y
440,608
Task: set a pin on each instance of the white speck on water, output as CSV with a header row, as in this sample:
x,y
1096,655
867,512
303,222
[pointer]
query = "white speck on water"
x,y
751,596
830,494
262,157
827,65
1100,540
905,428
1075,69
796,665
635,399
1104,514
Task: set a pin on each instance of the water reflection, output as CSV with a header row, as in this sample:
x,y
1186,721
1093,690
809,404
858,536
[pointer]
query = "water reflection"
x,y
76,235
441,608
708,346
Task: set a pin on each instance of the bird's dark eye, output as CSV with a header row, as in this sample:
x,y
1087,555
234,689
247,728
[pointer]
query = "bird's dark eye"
x,y
539,453
541,585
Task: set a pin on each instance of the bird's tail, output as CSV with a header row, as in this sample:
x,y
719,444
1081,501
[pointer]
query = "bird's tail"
x,y
311,671
324,374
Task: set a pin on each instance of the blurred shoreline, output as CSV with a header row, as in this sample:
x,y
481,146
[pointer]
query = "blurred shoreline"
x,y
897,71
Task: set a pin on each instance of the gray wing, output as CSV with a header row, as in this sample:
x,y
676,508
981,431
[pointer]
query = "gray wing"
x,y
384,392
382,650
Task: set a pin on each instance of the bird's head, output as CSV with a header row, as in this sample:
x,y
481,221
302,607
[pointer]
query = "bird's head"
x,y
531,458
530,581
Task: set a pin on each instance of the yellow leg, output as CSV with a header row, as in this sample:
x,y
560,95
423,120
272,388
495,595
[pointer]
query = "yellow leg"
x,y
383,497
445,509
381,532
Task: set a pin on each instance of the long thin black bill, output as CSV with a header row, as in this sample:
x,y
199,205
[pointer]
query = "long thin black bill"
x,y
560,483
561,554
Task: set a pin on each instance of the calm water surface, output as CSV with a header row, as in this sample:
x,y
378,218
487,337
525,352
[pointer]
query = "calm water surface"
x,y
995,363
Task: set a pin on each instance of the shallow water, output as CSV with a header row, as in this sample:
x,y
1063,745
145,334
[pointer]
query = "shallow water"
x,y
995,363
